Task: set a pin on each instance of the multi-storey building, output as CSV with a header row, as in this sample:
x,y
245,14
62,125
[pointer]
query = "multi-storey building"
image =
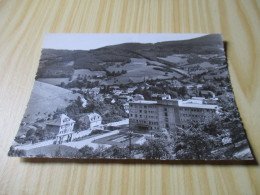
x,y
63,127
168,114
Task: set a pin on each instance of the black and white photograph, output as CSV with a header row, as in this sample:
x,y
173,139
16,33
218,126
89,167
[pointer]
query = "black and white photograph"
x,y
132,96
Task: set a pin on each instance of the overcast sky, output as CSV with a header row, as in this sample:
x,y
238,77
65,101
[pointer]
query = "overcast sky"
x,y
93,41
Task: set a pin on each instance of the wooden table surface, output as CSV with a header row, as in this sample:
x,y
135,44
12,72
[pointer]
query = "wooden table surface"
x,y
22,27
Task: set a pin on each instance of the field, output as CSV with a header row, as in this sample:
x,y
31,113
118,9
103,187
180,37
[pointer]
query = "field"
x,y
138,70
177,59
45,99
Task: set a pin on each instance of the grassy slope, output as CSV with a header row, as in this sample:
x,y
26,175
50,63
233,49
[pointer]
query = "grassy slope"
x,y
45,99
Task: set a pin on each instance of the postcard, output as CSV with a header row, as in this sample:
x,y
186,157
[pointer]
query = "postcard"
x,y
132,96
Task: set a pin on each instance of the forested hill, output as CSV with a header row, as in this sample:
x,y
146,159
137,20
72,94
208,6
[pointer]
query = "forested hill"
x,y
98,59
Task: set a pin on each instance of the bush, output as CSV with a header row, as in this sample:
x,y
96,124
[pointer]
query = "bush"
x,y
16,152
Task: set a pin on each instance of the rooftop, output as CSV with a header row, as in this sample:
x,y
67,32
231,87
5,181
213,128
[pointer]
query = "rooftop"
x,y
144,102
63,119
191,103
196,105
93,114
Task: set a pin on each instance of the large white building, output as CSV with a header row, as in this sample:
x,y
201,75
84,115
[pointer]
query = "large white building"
x,y
168,114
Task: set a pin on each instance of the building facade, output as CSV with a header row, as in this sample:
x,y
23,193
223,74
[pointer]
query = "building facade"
x,y
91,120
65,126
168,114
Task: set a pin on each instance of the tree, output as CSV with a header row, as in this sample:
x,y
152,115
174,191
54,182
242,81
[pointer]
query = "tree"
x,y
116,152
193,143
73,110
209,86
58,112
156,148
182,91
62,84
138,90
29,133
39,133
230,119
86,152
85,79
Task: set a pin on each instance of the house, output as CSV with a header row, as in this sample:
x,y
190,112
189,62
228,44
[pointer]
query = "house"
x,y
126,107
84,102
138,97
91,120
124,98
175,83
117,92
113,101
131,90
62,128
108,98
114,87
161,96
207,94
95,90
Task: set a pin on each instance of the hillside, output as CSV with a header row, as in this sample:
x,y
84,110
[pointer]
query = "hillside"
x,y
102,58
45,99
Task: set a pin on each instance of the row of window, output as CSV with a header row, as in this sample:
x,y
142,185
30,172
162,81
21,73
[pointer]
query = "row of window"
x,y
65,131
66,126
145,122
193,115
142,106
143,116
196,110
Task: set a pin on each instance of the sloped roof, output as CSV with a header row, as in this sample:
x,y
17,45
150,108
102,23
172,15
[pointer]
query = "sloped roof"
x,y
60,121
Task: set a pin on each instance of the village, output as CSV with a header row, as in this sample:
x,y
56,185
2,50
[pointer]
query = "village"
x,y
88,129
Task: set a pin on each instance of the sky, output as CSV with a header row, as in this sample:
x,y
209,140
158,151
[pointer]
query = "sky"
x,y
93,41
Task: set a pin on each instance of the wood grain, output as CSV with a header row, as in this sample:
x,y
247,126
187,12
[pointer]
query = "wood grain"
x,y
22,28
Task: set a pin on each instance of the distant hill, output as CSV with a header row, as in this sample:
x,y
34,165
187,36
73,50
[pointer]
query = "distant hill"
x,y
99,59
45,99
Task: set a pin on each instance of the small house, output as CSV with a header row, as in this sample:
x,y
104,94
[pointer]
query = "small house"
x,y
91,120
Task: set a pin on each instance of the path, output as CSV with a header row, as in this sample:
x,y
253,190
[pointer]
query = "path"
x,y
88,142
36,145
